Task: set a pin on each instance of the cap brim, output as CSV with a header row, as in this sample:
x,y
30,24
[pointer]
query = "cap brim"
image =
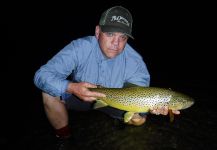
x,y
115,29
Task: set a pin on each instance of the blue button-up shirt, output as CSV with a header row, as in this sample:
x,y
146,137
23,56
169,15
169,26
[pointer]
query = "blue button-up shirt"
x,y
85,62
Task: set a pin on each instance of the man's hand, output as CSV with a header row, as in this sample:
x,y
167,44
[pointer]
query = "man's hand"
x,y
81,90
163,111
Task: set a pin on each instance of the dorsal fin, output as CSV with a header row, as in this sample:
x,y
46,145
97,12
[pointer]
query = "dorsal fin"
x,y
128,85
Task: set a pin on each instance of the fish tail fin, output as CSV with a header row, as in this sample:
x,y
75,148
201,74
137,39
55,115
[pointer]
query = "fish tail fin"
x,y
171,115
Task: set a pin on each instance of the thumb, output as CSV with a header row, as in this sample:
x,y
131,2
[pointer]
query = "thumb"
x,y
89,85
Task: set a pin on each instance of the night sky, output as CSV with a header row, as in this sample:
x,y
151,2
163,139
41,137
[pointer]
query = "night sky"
x,y
175,40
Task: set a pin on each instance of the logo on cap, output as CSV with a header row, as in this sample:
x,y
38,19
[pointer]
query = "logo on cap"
x,y
120,19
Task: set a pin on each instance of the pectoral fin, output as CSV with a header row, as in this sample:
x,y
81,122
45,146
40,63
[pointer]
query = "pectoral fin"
x,y
99,104
128,116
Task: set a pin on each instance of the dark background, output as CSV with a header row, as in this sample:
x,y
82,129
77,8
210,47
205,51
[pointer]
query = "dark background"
x,y
176,41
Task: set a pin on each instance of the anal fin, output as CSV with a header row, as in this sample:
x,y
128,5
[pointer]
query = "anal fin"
x,y
128,116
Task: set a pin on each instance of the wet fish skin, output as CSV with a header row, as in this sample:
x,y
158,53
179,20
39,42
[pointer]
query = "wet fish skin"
x,y
141,99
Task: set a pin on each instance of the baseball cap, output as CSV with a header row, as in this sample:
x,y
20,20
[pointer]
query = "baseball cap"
x,y
117,19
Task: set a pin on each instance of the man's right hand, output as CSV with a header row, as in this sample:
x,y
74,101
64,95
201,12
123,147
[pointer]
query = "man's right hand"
x,y
81,91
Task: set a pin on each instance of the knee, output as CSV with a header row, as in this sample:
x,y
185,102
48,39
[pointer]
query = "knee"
x,y
49,100
137,120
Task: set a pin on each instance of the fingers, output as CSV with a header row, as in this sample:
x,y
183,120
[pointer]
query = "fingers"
x,y
176,112
160,110
88,85
82,91
87,98
92,94
163,111
89,93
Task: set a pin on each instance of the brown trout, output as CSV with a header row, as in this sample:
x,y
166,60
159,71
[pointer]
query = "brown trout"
x,y
141,99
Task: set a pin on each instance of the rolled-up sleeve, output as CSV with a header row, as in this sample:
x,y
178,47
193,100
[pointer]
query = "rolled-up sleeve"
x,y
51,77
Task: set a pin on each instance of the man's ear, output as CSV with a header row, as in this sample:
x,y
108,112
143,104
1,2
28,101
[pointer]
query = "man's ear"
x,y
97,31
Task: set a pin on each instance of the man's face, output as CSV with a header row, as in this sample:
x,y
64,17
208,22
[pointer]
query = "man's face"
x,y
111,43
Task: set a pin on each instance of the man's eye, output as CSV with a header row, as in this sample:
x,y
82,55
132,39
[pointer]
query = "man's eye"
x,y
124,37
109,34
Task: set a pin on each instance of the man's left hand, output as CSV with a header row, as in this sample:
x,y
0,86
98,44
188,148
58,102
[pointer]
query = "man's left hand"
x,y
163,111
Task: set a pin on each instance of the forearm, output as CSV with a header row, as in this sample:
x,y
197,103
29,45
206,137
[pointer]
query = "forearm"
x,y
50,83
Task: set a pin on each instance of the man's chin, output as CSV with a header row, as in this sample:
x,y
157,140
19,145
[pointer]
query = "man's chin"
x,y
110,56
